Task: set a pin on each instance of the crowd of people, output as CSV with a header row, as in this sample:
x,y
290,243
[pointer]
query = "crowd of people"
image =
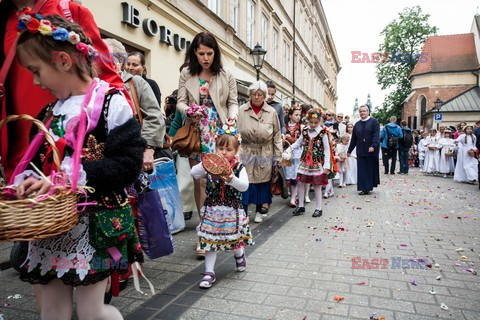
x,y
127,128
450,151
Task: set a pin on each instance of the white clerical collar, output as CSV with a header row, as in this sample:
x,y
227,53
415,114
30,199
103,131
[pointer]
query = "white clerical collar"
x,y
366,119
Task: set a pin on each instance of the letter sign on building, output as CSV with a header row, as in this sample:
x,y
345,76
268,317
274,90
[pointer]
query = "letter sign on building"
x,y
131,16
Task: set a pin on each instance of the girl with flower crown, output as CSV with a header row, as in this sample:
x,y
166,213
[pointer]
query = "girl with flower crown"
x,y
223,222
293,131
316,161
111,156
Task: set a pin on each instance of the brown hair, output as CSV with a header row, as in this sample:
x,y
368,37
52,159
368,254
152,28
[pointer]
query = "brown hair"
x,y
207,39
466,134
227,139
44,47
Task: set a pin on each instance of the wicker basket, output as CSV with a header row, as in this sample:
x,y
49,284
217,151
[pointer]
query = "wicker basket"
x,y
285,162
26,219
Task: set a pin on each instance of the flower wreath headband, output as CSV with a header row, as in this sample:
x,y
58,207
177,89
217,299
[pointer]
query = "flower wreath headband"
x,y
35,23
295,108
315,114
231,130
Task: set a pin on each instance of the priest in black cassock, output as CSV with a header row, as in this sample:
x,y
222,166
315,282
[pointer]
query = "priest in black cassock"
x,y
365,138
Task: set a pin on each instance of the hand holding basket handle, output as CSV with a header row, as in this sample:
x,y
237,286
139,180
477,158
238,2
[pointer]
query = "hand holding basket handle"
x,y
38,217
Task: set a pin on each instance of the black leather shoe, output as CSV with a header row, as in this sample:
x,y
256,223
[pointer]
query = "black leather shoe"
x,y
364,193
298,211
187,215
317,213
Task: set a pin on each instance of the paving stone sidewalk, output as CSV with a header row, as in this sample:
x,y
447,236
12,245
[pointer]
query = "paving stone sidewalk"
x,y
300,264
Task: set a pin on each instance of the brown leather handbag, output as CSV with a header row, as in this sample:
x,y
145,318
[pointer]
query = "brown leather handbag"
x,y
187,139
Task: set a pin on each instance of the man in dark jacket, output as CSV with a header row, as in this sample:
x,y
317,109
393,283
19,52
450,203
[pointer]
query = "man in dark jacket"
x,y
404,145
389,136
275,104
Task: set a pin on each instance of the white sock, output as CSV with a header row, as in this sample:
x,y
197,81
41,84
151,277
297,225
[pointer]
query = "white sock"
x,y
210,258
318,197
301,194
238,253
293,192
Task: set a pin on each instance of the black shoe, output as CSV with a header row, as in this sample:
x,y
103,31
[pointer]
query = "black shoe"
x,y
108,296
264,210
364,193
386,173
392,173
298,211
317,213
187,215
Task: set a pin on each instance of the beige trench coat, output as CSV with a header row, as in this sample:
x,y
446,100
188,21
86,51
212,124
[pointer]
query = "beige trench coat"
x,y
261,141
222,90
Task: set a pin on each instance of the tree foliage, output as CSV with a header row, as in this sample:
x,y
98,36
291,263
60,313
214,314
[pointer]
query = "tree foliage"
x,y
403,41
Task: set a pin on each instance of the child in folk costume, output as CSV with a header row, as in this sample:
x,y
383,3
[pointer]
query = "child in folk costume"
x,y
110,160
351,173
294,129
341,157
432,153
316,161
447,164
224,223
329,187
412,155
466,169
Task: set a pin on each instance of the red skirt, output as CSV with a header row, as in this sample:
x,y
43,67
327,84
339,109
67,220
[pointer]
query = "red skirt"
x,y
317,180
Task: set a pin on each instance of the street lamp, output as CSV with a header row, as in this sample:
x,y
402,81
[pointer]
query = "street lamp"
x,y
258,54
437,105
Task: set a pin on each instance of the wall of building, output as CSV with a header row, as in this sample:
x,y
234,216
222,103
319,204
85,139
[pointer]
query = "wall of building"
x,y
412,107
444,79
316,62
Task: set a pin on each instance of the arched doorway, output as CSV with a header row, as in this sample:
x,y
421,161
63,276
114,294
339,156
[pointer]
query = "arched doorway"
x,y
421,109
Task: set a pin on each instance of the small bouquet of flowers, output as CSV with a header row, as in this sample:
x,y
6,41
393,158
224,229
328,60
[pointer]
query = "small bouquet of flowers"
x,y
193,108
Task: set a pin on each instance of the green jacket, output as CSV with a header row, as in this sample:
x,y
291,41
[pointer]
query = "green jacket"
x,y
176,124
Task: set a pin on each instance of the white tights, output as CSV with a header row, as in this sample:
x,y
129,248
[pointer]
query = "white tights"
x,y
293,192
318,195
57,302
211,257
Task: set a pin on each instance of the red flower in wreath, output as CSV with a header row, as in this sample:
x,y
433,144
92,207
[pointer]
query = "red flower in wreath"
x,y
33,25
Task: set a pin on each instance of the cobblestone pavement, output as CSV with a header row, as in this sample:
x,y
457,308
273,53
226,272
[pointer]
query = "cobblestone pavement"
x,y
299,265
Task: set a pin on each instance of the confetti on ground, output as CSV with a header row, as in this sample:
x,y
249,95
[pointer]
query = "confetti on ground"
x,y
432,291
338,298
414,282
444,306
361,283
